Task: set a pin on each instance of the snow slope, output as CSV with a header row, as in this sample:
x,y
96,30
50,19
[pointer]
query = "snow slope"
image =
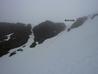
x,y
73,52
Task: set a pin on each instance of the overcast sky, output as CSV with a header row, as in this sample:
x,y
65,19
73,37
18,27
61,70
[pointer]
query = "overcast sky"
x,y
35,11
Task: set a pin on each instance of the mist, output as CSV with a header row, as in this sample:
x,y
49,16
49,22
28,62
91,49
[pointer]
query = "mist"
x,y
36,11
73,52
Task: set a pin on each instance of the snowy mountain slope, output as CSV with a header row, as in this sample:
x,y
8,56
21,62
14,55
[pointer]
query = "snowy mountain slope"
x,y
73,52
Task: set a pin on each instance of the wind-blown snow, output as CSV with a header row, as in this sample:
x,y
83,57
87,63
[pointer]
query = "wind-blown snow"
x,y
74,52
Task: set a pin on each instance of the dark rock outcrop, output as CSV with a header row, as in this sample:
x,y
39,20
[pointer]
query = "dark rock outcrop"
x,y
13,35
13,53
19,34
20,49
46,30
94,15
80,21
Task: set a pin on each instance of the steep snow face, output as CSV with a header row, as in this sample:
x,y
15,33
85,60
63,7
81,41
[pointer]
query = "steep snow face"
x,y
73,52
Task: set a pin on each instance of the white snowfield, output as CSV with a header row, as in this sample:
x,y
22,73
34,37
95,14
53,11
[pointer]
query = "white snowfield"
x,y
73,52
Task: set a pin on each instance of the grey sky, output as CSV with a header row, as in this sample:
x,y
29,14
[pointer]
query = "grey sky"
x,y
35,11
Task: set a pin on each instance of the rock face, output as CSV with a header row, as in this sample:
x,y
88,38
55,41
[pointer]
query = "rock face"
x,y
94,15
46,30
80,21
13,35
13,53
